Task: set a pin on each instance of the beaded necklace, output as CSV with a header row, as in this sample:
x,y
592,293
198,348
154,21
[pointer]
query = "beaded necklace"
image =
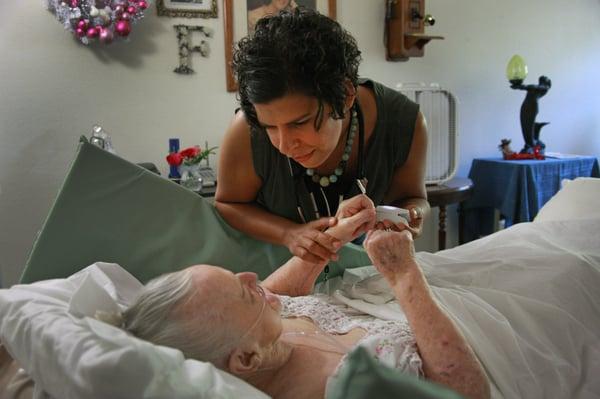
x,y
325,181
305,199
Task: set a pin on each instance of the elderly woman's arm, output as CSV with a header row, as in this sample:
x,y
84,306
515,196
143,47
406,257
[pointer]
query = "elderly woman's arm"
x,y
447,357
297,276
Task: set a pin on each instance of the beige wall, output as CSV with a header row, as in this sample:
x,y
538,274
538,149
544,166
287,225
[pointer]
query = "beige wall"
x,y
52,90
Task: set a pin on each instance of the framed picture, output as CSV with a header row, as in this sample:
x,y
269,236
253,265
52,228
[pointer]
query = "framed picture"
x,y
187,8
241,15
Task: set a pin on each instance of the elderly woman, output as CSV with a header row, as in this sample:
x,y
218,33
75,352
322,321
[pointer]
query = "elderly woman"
x,y
287,343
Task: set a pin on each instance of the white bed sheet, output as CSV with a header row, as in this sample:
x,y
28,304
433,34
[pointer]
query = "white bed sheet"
x,y
527,299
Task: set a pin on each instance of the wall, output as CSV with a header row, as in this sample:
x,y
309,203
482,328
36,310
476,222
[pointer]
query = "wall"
x,y
52,90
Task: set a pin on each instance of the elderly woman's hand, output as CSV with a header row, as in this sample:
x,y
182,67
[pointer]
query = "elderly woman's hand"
x,y
392,253
414,226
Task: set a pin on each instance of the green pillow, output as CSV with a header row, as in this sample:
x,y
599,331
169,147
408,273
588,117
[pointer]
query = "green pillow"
x,y
362,377
112,210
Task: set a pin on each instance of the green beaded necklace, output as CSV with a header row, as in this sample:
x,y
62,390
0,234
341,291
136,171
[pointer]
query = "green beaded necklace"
x,y
325,181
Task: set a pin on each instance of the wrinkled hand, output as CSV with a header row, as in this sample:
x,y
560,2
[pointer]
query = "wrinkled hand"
x,y
310,243
353,206
392,253
414,226
350,227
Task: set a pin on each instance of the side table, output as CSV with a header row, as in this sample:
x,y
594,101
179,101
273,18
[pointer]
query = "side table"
x,y
453,191
517,189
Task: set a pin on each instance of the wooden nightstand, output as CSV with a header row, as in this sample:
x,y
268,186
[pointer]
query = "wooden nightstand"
x,y
453,191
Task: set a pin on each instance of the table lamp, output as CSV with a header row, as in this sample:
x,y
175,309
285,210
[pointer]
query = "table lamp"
x,y
516,72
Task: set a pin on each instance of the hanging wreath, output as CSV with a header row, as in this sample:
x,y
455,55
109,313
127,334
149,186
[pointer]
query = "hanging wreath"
x,y
101,20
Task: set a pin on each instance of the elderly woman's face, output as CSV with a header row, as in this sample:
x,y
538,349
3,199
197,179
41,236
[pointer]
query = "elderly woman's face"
x,y
290,124
241,300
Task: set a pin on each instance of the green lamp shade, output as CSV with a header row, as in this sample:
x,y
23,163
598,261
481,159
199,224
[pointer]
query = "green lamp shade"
x,y
516,68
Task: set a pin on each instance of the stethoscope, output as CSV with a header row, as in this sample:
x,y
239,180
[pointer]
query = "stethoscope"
x,y
306,204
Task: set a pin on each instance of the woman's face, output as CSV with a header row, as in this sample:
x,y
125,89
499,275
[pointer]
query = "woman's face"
x,y
290,124
245,304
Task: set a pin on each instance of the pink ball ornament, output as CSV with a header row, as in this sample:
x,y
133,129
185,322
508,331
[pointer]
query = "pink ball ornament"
x,y
119,8
98,29
142,4
106,36
131,10
80,32
126,16
82,23
92,33
122,28
74,3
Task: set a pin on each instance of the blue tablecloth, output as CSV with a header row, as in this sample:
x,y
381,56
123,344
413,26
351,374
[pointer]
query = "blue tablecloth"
x,y
518,189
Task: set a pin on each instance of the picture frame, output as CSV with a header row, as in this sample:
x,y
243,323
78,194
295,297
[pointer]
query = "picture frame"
x,y
187,8
235,15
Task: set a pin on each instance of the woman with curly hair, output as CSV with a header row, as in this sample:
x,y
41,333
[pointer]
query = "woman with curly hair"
x,y
310,133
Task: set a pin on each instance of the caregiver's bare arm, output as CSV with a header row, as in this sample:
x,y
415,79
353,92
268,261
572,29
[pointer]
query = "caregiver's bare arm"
x,y
297,276
447,357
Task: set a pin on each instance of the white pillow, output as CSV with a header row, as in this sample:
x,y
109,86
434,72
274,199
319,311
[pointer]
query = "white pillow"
x,y
47,328
577,199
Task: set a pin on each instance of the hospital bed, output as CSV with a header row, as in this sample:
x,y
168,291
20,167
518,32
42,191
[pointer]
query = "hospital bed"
x,y
110,211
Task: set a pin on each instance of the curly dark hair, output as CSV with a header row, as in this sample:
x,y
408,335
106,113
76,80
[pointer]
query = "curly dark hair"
x,y
297,51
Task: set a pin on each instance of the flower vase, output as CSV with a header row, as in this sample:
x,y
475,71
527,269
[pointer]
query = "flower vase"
x,y
191,177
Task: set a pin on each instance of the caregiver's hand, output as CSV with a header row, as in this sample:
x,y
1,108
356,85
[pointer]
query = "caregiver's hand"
x,y
310,243
354,205
350,227
392,253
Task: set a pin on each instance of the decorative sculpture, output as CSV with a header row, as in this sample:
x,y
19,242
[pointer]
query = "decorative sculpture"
x,y
516,72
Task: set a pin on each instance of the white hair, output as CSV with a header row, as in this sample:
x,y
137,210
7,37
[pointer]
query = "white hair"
x,y
156,316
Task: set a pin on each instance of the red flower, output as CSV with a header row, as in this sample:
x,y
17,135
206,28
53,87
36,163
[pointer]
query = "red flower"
x,y
189,156
174,159
190,152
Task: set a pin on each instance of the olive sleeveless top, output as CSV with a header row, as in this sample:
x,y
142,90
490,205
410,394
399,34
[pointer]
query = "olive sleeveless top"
x,y
386,150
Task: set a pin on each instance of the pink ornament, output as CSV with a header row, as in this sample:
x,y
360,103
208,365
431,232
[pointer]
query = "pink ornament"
x,y
126,16
82,24
98,29
131,9
119,9
106,36
74,3
91,33
142,4
80,32
122,28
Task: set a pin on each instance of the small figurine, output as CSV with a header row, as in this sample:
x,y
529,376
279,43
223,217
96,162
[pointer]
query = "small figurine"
x,y
509,154
505,148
